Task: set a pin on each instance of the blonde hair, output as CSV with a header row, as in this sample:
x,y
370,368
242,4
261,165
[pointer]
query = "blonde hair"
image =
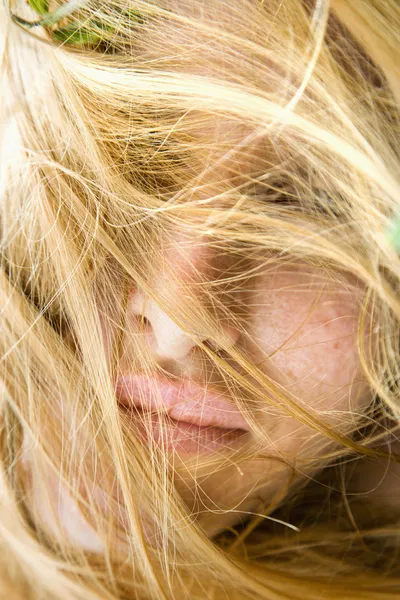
x,y
105,152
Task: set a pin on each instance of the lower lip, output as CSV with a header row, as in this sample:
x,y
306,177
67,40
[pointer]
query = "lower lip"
x,y
185,438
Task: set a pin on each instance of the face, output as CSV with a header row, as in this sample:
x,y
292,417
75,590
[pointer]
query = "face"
x,y
300,331
298,326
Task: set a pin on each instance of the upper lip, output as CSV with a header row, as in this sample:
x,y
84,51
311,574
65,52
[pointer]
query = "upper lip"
x,y
184,401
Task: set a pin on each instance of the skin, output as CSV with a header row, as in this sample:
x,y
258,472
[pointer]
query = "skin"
x,y
300,329
306,324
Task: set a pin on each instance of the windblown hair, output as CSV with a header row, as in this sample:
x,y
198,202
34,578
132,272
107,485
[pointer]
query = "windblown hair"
x,y
106,152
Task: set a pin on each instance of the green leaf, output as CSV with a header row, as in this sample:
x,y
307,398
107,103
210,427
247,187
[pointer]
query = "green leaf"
x,y
135,15
101,26
39,6
23,22
71,34
393,232
62,11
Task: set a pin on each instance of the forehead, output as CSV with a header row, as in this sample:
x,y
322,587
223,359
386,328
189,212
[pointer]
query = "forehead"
x,y
221,44
215,42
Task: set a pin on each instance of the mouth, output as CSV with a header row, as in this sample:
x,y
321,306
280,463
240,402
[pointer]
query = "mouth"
x,y
183,417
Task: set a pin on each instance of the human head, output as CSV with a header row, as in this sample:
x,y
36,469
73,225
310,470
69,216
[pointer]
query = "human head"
x,y
222,173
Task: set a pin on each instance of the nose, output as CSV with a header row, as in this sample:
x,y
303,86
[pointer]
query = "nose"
x,y
188,262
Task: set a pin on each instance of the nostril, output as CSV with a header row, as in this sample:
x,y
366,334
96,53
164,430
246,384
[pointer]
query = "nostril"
x,y
211,345
143,323
215,349
231,336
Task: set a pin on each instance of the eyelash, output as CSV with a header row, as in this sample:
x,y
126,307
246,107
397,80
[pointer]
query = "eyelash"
x,y
322,203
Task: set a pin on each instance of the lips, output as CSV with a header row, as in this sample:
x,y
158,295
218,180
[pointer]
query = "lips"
x,y
184,402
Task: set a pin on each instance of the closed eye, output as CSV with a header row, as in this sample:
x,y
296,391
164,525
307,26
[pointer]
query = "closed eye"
x,y
317,202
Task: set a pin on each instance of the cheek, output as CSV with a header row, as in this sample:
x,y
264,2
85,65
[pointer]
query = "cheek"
x,y
310,337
